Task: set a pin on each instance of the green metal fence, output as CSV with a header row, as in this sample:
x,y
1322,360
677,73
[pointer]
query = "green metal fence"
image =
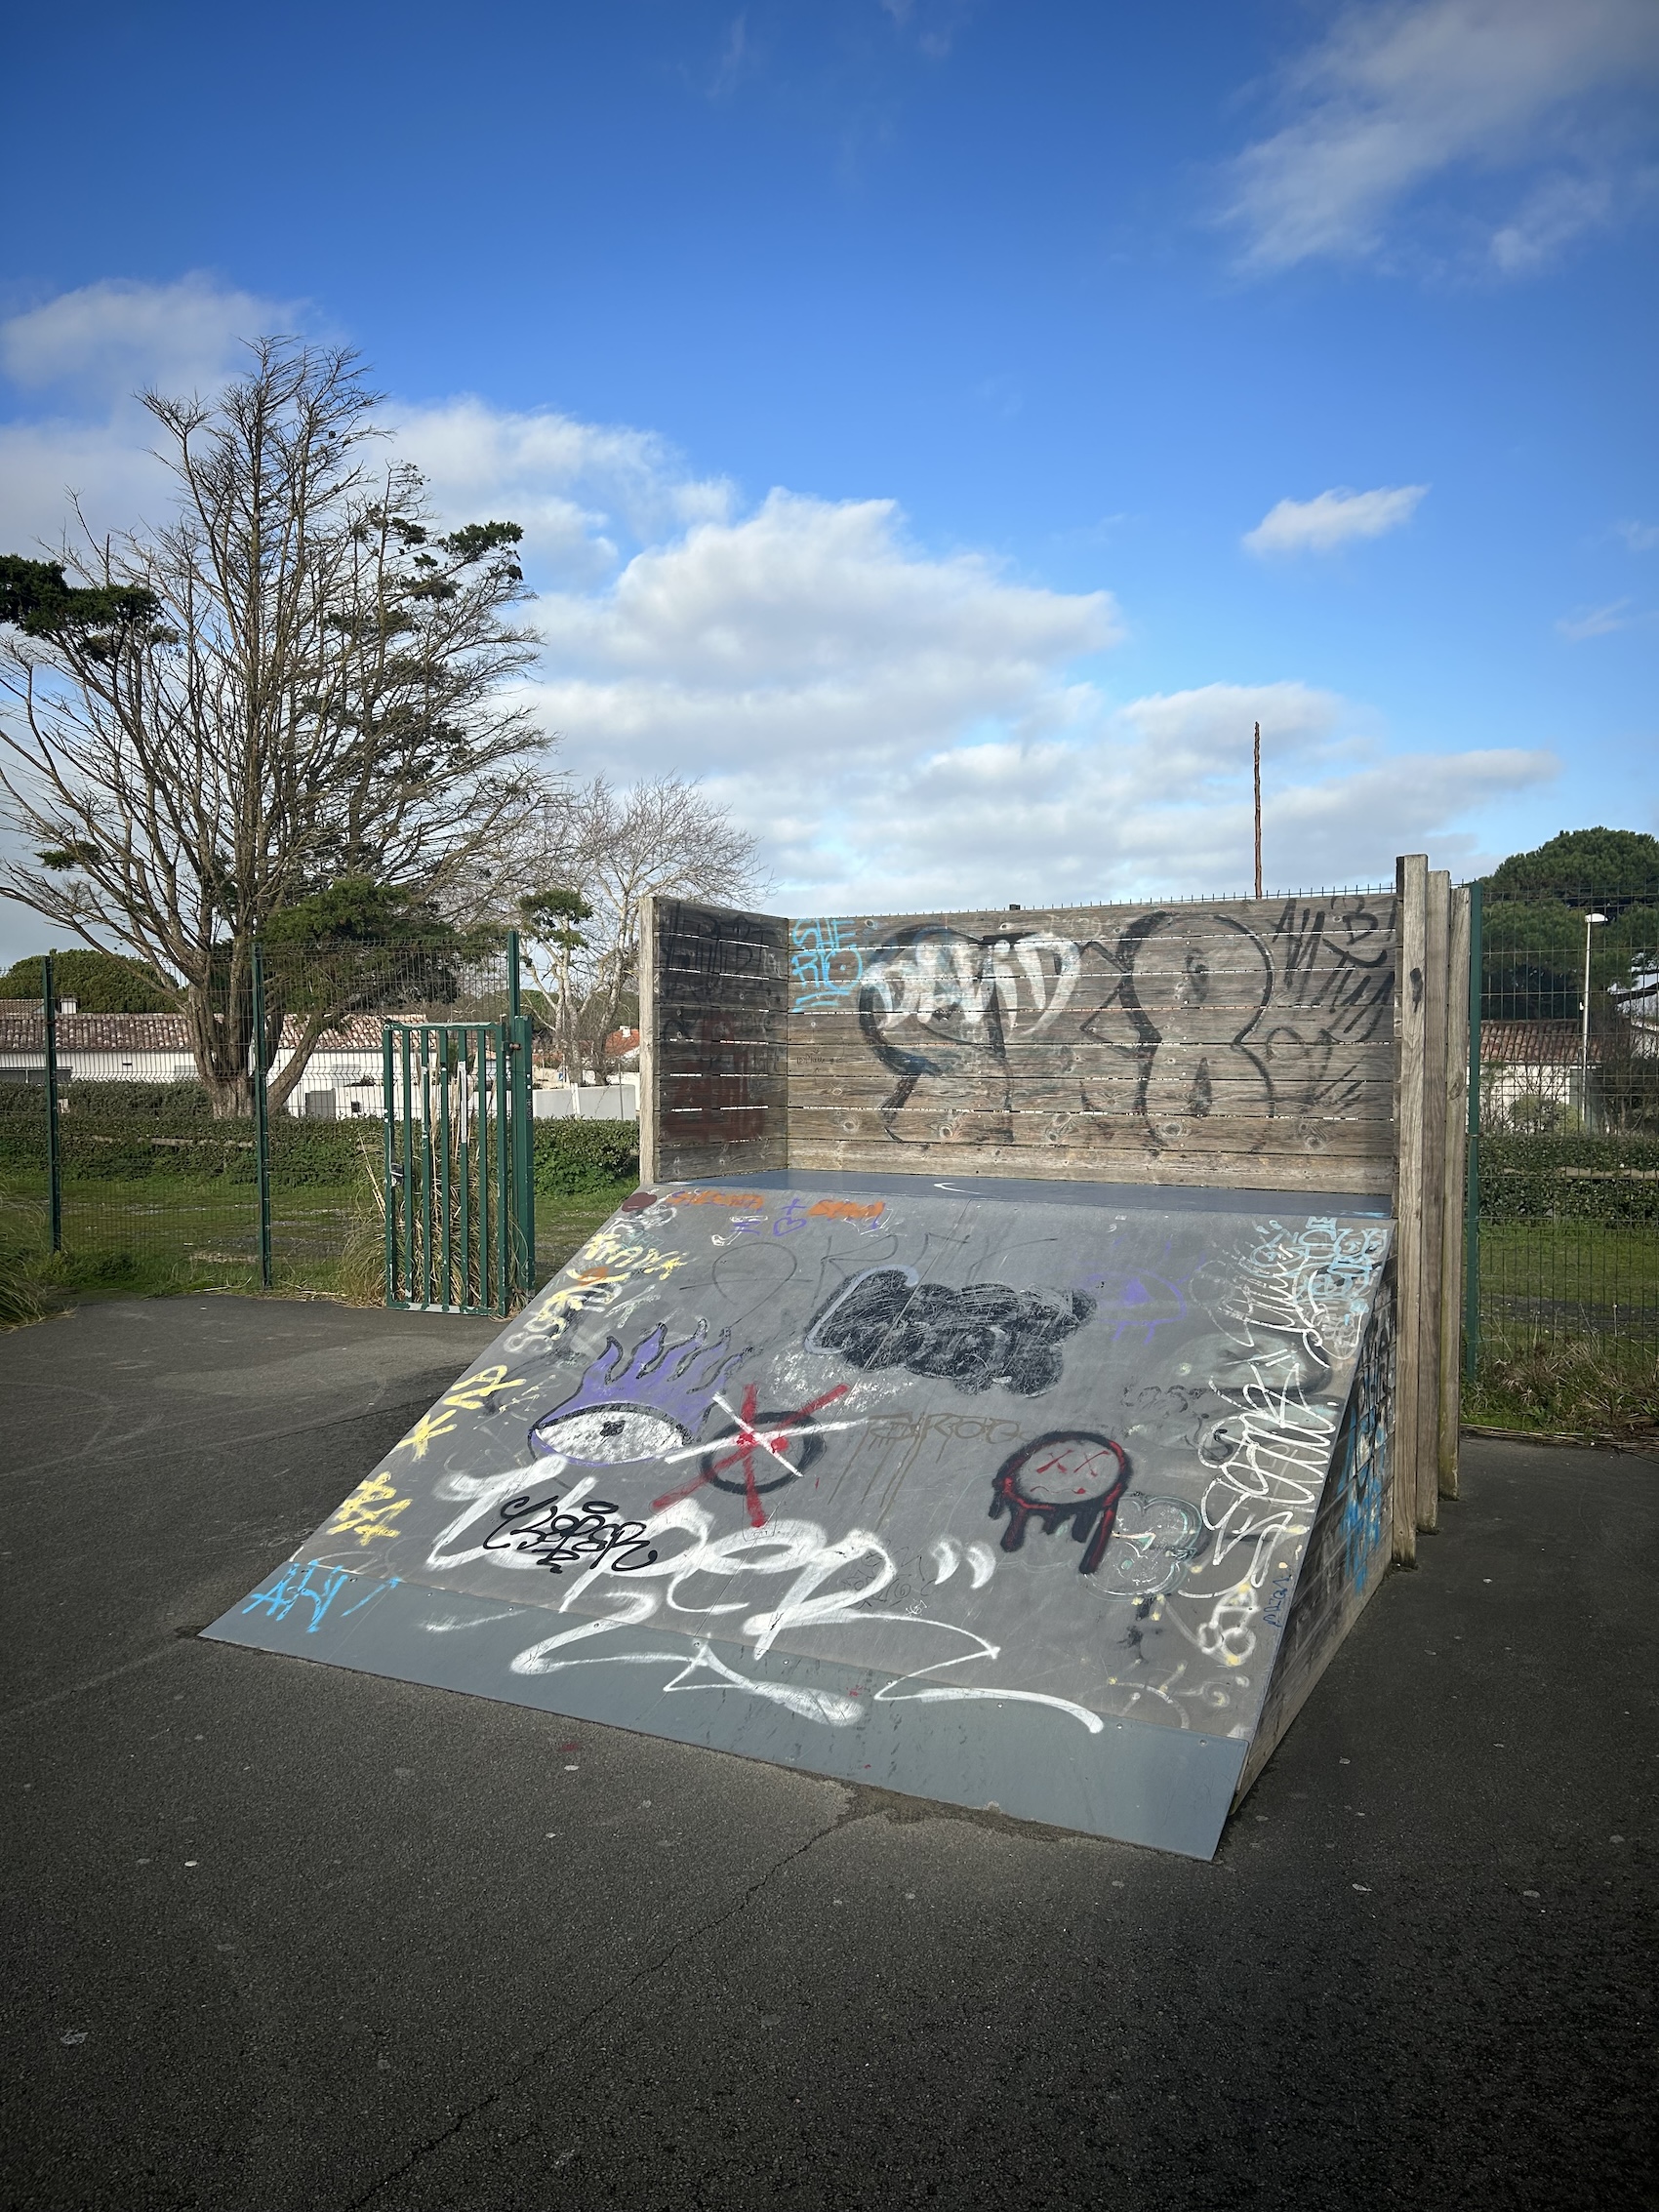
x,y
121,1170
459,1198
1563,1123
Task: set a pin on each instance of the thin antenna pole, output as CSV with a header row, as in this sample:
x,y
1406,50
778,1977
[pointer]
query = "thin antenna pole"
x,y
1257,810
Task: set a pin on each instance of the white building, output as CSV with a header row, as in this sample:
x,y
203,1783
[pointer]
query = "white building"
x,y
342,1079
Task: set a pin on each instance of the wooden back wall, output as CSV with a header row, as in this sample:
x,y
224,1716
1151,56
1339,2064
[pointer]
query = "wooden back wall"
x,y
1247,1043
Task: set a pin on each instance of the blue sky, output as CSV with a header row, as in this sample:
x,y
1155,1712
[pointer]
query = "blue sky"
x,y
942,425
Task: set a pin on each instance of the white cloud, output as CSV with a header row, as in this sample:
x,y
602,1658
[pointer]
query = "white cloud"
x,y
1396,96
1152,797
106,340
1600,621
1639,536
1321,525
88,353
904,725
1557,212
576,488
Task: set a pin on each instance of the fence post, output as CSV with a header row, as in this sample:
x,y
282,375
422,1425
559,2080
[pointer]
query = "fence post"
x,y
261,1116
1472,1186
388,1183
1436,960
513,1008
1451,1211
1411,889
54,1162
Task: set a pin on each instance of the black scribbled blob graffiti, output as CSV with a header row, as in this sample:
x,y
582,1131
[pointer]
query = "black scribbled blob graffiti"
x,y
985,1334
1070,1474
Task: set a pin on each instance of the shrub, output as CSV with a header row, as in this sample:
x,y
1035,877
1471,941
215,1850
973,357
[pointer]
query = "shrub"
x,y
573,1157
127,1132
1538,1177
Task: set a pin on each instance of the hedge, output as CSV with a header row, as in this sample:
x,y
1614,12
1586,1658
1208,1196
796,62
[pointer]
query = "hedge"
x,y
129,1132
1612,1180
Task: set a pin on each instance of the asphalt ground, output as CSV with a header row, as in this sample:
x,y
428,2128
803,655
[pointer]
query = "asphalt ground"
x,y
282,1936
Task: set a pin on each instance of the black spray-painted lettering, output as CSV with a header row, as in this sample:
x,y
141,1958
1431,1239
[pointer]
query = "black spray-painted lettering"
x,y
983,1334
588,1536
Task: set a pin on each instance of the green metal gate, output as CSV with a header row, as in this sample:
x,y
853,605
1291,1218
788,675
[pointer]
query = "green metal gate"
x,y
459,1198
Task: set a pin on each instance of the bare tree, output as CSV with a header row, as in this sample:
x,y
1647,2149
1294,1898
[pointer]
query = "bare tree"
x,y
297,680
610,851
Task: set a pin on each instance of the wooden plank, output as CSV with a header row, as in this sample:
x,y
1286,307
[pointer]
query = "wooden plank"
x,y
1456,1162
756,994
816,1040
1410,1016
1220,1019
1269,1176
1081,1090
1078,1132
1435,935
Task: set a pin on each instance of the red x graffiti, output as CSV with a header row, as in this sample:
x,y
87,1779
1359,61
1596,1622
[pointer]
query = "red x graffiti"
x,y
772,1438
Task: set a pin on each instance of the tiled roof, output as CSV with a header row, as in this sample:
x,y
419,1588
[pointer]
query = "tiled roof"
x,y
1536,1044
358,1032
22,1028
96,1032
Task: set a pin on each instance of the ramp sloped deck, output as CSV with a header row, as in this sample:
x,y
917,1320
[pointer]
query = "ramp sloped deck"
x,y
992,1493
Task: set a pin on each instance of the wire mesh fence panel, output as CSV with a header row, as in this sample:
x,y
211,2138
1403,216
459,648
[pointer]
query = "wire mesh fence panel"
x,y
25,1188
1569,1111
154,1191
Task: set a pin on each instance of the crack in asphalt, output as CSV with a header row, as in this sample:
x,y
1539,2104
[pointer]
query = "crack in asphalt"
x,y
852,1811
148,1658
145,1446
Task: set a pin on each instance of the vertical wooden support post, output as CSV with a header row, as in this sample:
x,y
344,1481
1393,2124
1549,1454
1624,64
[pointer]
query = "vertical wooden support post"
x,y
1411,887
1436,931
650,1115
1452,1216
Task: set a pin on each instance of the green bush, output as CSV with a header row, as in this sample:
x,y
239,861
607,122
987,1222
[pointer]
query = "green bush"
x,y
573,1157
1537,1178
128,1132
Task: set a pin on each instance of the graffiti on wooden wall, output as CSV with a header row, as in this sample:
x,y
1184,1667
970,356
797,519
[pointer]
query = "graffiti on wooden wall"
x,y
1171,1018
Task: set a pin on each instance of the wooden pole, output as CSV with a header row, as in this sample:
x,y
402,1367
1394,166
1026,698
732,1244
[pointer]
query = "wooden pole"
x,y
1411,891
1436,941
1258,764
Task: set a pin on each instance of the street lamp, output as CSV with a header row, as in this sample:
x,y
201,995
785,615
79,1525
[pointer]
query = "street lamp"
x,y
1590,922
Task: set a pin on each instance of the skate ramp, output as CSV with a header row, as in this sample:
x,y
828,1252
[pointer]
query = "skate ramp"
x,y
995,1493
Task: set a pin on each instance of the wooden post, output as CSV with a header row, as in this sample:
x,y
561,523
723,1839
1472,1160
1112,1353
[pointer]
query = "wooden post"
x,y
1411,887
1435,942
1452,1201
650,1149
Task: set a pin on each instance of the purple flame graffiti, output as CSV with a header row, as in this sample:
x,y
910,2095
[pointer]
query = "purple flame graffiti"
x,y
673,1384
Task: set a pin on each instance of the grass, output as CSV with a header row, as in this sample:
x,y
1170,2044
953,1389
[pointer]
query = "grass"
x,y
161,1239
1569,1385
1577,1278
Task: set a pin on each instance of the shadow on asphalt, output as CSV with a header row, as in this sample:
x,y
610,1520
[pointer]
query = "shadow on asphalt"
x,y
284,1937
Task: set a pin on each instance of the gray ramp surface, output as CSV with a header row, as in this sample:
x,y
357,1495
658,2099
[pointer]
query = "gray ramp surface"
x,y
986,1499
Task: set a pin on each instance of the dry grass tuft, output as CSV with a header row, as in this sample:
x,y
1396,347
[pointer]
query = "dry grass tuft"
x,y
1571,1384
